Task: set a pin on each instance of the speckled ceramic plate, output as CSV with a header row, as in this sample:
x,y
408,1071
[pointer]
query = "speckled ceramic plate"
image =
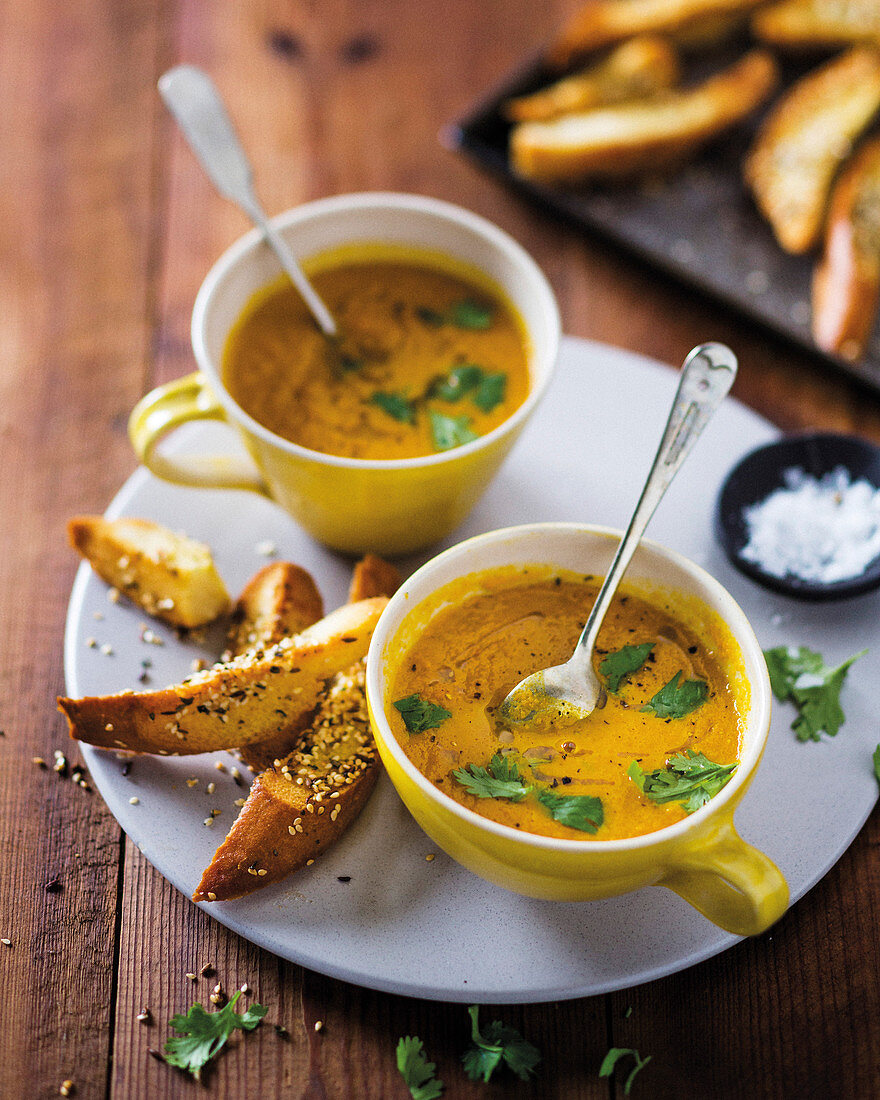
x,y
431,929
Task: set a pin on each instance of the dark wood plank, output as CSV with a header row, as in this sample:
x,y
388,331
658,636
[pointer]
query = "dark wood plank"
x,y
74,252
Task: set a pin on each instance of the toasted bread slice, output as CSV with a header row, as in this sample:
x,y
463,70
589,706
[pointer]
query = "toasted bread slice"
x,y
278,602
601,23
296,810
805,139
846,285
632,138
817,24
373,576
636,69
232,704
169,575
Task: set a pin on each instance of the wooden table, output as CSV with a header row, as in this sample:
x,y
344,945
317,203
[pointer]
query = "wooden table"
x,y
108,227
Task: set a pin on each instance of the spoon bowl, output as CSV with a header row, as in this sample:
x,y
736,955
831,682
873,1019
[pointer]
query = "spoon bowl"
x,y
568,693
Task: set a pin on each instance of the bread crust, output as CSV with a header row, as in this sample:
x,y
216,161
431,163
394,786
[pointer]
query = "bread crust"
x,y
297,809
804,25
231,704
846,283
601,23
806,137
628,139
169,575
636,69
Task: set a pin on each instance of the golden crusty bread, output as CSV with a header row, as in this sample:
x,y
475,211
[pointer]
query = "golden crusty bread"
x,y
601,23
279,601
170,576
631,138
373,576
817,24
298,808
231,704
805,139
846,285
636,69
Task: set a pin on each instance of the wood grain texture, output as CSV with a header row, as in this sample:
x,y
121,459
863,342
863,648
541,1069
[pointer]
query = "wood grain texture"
x,y
108,227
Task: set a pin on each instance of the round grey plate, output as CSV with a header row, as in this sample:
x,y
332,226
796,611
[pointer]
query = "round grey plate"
x,y
432,929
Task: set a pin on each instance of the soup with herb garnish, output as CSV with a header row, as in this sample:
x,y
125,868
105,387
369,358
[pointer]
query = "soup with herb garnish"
x,y
427,359
666,740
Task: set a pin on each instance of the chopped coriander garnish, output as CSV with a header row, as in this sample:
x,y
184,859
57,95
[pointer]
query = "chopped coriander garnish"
x,y
613,1057
616,666
799,675
470,314
499,1043
490,391
458,382
578,811
450,431
876,758
677,699
397,405
690,779
203,1034
417,1071
500,780
420,714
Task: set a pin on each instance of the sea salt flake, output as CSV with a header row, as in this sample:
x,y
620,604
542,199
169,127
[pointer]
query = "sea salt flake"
x,y
816,529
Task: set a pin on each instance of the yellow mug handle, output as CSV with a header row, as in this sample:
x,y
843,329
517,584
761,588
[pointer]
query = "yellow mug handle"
x,y
730,882
166,408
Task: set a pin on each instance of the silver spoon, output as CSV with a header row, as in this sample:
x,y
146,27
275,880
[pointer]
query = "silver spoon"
x,y
567,693
194,101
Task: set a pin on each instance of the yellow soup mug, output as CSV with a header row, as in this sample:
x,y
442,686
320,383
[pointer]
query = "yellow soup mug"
x,y
701,858
352,505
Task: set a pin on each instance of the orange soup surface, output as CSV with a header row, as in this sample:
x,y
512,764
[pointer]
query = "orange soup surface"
x,y
503,625
427,360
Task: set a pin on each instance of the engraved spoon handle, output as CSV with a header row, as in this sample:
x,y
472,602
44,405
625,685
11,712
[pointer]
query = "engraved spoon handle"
x,y
194,101
706,378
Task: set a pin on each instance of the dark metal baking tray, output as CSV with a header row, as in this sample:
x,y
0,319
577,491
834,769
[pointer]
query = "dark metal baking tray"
x,y
698,224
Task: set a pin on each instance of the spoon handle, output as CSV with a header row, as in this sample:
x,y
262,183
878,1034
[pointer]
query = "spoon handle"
x,y
706,378
194,101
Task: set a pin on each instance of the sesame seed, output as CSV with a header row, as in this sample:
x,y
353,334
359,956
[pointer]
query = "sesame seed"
x,y
191,976
6,941
191,782
430,857
98,616
134,801
319,1025
239,802
209,821
220,766
245,989
211,787
113,595
39,761
67,1088
207,970
144,1016
109,727
291,830
266,548
107,649
309,862
212,896
92,643
262,871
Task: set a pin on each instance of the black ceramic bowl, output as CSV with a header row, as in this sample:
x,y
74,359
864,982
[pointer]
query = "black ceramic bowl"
x,y
761,472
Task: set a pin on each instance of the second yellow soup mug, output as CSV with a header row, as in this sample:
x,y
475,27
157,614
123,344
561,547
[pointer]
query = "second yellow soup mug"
x,y
352,505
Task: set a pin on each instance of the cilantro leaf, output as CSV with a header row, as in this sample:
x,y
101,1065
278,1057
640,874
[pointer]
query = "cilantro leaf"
x,y
203,1034
500,780
622,663
799,675
397,405
416,1070
450,431
691,780
470,314
578,811
490,391
676,699
458,382
613,1057
876,758
500,1043
420,714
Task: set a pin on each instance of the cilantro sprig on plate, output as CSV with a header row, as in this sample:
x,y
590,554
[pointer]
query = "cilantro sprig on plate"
x,y
203,1034
800,676
689,778
417,1072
